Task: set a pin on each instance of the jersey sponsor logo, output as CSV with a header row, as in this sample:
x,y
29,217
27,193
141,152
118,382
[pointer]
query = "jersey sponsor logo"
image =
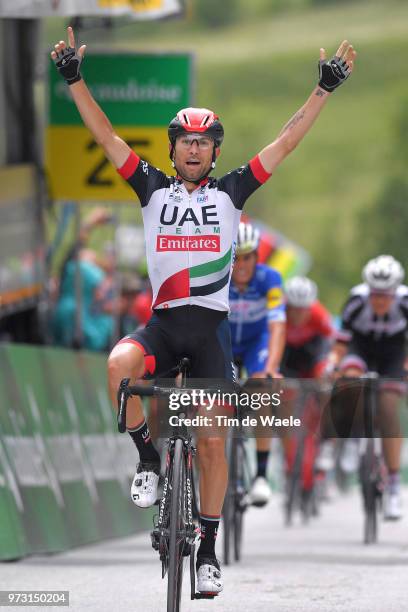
x,y
246,311
187,243
174,216
274,297
202,199
145,167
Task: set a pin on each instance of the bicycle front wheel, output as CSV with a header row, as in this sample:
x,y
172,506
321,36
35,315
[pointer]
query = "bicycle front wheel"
x,y
229,501
176,530
369,492
242,492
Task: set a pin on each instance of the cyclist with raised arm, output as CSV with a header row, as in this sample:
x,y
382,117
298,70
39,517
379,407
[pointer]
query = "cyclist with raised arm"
x,y
191,222
257,321
374,327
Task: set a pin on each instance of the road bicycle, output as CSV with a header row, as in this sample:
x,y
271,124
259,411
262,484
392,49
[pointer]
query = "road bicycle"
x,y
302,479
236,499
175,533
371,471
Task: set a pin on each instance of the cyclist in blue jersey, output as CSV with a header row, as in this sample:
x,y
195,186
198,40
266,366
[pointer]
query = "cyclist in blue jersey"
x,y
191,222
258,330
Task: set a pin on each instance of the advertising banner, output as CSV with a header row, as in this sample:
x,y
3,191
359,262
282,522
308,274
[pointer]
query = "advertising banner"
x,y
135,9
140,93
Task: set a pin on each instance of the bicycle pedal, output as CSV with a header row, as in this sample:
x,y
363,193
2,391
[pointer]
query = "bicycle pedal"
x,y
155,538
187,550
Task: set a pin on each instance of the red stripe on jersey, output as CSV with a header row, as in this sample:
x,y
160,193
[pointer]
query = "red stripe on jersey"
x,y
129,166
175,287
258,170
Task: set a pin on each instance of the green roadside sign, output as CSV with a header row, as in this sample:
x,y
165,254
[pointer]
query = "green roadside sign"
x,y
139,93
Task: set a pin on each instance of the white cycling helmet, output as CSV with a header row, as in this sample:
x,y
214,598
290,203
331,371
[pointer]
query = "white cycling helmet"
x,y
383,273
300,292
247,239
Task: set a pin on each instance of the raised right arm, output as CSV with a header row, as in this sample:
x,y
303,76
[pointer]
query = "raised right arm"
x,y
116,149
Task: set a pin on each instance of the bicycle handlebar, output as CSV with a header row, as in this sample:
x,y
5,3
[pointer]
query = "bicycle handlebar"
x,y
141,391
126,391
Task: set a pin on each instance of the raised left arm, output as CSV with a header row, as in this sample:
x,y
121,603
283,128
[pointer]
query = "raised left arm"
x,y
331,75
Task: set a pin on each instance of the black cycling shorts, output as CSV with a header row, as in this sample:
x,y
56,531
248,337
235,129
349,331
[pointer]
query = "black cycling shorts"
x,y
299,361
389,365
201,334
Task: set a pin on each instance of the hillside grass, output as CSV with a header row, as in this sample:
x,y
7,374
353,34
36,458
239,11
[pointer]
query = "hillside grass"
x,y
257,73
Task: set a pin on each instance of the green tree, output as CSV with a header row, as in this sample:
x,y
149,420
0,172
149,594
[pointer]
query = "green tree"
x,y
216,13
385,224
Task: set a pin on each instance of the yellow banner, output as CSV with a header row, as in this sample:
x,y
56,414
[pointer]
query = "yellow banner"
x,y
283,260
78,169
138,6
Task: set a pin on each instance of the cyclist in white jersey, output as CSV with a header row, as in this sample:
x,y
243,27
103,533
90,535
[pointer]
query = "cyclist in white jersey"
x,y
191,224
374,328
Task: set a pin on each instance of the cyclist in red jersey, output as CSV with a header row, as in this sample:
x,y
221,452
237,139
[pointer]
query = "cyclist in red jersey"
x,y
309,331
309,336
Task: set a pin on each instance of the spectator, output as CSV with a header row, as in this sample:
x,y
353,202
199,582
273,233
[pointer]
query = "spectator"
x,y
96,323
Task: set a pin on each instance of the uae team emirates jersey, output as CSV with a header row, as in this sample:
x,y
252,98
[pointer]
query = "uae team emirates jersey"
x,y
190,238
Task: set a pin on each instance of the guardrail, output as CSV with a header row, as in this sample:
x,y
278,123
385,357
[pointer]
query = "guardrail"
x,y
64,471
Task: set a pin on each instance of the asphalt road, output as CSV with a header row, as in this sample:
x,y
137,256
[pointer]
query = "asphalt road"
x,y
321,567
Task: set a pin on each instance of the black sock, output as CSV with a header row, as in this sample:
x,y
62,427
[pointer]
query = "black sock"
x,y
141,437
262,461
209,528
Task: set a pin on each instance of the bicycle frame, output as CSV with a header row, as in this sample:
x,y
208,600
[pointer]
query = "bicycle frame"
x,y
301,477
370,461
166,536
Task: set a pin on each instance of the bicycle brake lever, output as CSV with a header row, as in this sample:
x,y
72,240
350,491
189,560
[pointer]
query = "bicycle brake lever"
x,y
122,402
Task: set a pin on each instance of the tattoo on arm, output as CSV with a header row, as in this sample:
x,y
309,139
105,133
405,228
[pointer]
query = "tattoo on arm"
x,y
292,122
319,93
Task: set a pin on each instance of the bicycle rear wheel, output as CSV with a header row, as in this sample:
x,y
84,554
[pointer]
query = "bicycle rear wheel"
x,y
293,485
368,479
177,530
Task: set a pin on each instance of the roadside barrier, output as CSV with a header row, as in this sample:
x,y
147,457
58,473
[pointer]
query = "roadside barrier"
x,y
64,470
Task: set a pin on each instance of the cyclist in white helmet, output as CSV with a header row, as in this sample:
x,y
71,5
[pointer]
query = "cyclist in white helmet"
x,y
300,292
257,321
308,332
309,336
373,337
